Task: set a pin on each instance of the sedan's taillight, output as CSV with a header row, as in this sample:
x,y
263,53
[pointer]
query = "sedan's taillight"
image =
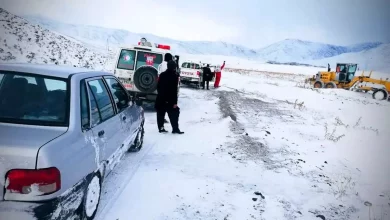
x,y
198,73
36,182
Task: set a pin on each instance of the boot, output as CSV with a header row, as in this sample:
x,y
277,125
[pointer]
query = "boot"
x,y
177,131
162,130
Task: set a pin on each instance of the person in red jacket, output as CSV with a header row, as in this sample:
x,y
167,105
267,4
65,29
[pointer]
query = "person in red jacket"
x,y
218,73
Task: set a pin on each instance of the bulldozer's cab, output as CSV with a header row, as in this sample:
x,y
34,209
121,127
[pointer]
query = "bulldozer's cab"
x,y
345,71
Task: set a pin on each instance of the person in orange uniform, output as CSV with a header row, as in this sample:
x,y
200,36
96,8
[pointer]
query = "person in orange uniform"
x,y
218,74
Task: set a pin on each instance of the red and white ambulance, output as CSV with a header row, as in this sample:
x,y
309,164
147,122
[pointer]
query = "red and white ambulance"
x,y
137,68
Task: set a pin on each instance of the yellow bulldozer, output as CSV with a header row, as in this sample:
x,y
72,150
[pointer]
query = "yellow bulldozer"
x,y
344,78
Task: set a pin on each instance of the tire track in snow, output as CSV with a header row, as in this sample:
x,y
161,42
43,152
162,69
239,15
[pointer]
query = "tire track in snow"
x,y
123,174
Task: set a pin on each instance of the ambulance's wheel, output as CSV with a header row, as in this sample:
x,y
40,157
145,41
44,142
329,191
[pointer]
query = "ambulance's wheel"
x,y
145,79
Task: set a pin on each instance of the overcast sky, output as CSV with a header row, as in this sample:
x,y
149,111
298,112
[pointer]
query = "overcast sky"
x,y
253,23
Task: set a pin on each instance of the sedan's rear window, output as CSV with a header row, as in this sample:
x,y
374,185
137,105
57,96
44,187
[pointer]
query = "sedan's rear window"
x,y
33,99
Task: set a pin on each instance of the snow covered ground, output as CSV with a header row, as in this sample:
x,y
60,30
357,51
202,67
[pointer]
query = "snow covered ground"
x,y
260,147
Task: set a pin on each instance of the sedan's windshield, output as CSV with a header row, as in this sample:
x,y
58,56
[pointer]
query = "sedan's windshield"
x,y
33,99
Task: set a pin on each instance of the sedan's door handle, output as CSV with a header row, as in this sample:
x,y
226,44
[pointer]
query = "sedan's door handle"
x,y
101,133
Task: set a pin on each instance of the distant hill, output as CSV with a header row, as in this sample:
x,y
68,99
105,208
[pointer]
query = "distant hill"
x,y
376,59
293,50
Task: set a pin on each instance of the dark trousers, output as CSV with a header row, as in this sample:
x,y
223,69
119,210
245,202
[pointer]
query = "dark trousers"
x,y
207,82
173,114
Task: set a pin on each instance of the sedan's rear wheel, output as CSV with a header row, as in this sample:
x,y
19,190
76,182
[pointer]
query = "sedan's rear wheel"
x,y
139,140
92,198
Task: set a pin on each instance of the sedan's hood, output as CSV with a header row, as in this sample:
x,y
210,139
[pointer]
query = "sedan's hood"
x,y
19,145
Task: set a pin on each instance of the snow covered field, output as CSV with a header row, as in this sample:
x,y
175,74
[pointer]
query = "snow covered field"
x,y
250,152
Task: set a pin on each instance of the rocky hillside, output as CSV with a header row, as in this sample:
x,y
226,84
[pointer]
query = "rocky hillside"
x,y
22,41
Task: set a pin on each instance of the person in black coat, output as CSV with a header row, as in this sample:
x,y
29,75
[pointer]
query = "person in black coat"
x,y
166,101
163,67
207,75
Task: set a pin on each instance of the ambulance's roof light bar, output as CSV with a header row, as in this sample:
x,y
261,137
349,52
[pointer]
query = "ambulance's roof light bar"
x,y
164,47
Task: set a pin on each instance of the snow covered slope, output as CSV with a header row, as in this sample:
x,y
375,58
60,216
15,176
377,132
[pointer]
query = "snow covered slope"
x,y
115,37
376,59
290,50
21,41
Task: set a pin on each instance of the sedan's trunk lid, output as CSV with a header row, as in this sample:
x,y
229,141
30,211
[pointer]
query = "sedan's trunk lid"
x,y
19,146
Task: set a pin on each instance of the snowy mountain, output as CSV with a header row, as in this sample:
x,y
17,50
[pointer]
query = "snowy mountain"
x,y
289,50
293,50
114,38
21,41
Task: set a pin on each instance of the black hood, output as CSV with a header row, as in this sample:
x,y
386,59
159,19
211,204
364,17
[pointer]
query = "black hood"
x,y
168,57
171,65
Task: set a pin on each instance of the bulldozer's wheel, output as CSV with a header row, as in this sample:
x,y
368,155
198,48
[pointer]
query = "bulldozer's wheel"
x,y
331,85
318,84
380,94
